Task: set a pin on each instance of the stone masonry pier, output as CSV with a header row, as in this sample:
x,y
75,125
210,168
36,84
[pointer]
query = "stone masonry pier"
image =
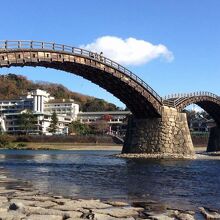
x,y
167,135
214,140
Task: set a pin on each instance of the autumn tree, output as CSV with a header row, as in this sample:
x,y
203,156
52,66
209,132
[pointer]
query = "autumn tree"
x,y
12,86
107,117
100,127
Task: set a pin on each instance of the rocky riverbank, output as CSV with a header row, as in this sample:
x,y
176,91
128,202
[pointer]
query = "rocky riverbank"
x,y
200,154
157,156
26,203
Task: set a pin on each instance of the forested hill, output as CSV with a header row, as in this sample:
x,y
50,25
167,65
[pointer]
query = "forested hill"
x,y
13,86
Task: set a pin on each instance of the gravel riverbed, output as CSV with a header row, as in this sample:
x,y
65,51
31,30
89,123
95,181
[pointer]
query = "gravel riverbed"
x,y
26,203
23,201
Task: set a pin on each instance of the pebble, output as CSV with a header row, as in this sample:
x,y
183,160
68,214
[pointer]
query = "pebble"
x,y
24,204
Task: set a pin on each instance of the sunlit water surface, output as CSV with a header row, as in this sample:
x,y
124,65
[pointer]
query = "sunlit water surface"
x,y
97,174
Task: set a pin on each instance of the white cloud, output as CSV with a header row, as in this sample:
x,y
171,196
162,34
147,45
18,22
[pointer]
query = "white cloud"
x,y
129,51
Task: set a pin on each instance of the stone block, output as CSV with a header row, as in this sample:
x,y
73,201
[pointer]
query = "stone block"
x,y
214,140
165,135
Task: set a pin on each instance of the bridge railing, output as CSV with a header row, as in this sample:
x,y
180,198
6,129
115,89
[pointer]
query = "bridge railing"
x,y
37,45
186,95
173,100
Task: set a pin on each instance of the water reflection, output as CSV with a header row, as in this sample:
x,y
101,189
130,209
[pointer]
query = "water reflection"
x,y
96,174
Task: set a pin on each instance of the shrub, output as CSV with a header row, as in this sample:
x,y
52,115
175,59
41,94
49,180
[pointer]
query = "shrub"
x,y
21,145
6,140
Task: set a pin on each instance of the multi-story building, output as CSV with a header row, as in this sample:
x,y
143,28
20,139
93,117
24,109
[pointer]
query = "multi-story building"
x,y
42,105
117,120
62,107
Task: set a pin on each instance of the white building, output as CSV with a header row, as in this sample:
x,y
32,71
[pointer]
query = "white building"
x,y
117,120
42,105
40,97
62,107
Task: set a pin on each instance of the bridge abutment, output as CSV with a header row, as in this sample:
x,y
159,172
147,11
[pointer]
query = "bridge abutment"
x,y
214,140
168,135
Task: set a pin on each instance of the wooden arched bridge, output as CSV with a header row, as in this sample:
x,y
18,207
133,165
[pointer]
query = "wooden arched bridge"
x,y
206,100
140,98
157,124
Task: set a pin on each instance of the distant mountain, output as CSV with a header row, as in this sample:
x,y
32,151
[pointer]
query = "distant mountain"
x,y
13,86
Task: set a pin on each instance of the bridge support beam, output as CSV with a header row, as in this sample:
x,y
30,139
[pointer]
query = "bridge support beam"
x,y
167,136
214,139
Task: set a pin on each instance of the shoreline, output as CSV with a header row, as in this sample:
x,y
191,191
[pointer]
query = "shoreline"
x,y
28,203
67,146
20,200
200,152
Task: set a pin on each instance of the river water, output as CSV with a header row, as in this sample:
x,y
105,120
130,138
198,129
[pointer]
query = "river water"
x,y
184,184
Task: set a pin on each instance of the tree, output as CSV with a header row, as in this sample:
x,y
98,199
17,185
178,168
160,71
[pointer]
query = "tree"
x,y
100,127
78,128
95,105
106,117
27,121
193,116
53,123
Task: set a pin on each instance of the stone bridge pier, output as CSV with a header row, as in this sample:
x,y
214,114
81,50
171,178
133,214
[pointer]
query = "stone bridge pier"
x,y
214,139
167,135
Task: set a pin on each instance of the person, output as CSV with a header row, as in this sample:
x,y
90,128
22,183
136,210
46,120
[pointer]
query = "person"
x,y
101,56
91,54
96,56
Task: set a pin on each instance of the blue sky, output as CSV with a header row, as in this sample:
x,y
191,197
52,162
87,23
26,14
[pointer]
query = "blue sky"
x,y
190,29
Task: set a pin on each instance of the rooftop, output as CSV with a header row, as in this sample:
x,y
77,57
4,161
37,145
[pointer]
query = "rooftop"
x,y
61,101
106,113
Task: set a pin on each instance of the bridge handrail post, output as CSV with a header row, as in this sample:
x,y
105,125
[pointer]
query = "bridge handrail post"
x,y
6,44
52,46
19,44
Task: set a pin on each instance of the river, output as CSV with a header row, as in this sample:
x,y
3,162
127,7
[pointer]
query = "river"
x,y
184,184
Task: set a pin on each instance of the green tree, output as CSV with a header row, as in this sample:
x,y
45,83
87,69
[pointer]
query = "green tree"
x,y
78,128
53,124
27,121
95,105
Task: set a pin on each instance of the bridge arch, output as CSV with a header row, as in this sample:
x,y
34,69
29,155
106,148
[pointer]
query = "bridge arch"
x,y
139,97
206,100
